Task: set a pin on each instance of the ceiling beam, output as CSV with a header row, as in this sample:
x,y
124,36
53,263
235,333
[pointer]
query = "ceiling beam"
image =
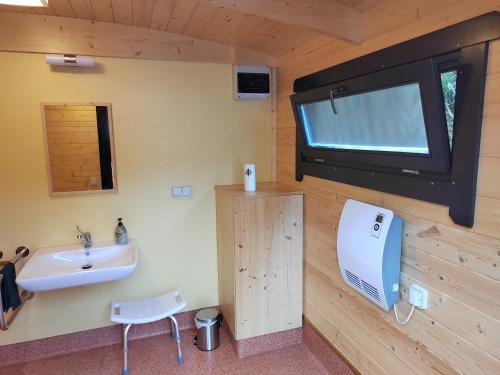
x,y
325,16
49,34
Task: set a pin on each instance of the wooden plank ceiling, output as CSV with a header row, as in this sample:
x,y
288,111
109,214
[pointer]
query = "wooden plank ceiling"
x,y
194,18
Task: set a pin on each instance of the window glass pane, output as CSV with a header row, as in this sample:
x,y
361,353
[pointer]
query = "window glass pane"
x,y
390,120
449,85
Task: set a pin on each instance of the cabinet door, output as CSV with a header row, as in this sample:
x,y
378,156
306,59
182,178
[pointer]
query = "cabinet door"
x,y
268,264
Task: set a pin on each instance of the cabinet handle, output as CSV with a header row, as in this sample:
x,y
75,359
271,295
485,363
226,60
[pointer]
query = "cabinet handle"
x,y
242,269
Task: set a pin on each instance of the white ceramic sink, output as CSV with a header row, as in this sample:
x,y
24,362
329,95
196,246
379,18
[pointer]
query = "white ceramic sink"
x,y
66,266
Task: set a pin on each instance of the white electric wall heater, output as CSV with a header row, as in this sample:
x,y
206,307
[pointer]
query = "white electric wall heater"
x,y
369,251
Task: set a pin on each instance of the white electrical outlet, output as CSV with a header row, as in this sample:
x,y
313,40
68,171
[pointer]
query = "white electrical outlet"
x,y
418,296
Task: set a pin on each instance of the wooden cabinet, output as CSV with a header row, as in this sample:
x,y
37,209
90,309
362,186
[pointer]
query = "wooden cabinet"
x,y
259,250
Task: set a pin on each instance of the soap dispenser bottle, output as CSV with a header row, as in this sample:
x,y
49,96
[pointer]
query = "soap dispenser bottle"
x,y
121,236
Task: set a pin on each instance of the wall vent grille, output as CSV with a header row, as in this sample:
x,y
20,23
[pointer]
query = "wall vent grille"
x,y
353,279
370,290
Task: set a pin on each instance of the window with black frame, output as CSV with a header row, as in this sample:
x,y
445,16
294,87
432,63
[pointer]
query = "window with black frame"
x,y
390,120
404,120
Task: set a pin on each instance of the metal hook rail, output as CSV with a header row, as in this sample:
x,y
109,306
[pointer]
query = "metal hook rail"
x,y
7,318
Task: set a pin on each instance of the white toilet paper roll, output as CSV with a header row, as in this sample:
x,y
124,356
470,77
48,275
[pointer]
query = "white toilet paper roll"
x,y
249,177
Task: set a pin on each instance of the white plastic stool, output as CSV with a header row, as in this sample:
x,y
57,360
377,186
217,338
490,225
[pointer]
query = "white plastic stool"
x,y
147,311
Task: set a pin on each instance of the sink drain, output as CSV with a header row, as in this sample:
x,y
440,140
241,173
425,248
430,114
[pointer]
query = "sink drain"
x,y
86,266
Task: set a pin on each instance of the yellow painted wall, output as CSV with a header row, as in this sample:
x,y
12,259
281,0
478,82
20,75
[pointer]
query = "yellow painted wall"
x,y
174,123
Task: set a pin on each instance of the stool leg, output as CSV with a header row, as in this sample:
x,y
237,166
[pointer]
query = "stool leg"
x,y
180,358
126,328
172,328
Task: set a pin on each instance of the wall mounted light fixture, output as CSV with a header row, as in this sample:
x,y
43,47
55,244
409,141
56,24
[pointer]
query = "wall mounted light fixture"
x,y
69,60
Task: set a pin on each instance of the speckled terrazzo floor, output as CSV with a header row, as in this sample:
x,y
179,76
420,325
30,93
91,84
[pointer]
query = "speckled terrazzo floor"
x,y
157,355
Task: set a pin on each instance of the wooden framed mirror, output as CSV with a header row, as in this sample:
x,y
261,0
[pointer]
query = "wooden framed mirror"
x,y
79,148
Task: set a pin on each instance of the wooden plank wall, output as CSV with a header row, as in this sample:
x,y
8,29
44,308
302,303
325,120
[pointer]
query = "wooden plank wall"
x,y
460,332
73,146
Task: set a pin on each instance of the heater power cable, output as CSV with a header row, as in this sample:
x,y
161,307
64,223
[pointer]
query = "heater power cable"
x,y
407,318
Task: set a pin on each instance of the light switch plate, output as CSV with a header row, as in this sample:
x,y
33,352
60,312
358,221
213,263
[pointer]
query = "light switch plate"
x,y
187,191
182,191
176,191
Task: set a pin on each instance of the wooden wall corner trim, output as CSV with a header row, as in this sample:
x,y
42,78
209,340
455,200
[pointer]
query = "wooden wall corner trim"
x,y
50,34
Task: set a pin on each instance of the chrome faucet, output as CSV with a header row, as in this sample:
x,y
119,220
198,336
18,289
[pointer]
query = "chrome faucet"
x,y
86,239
